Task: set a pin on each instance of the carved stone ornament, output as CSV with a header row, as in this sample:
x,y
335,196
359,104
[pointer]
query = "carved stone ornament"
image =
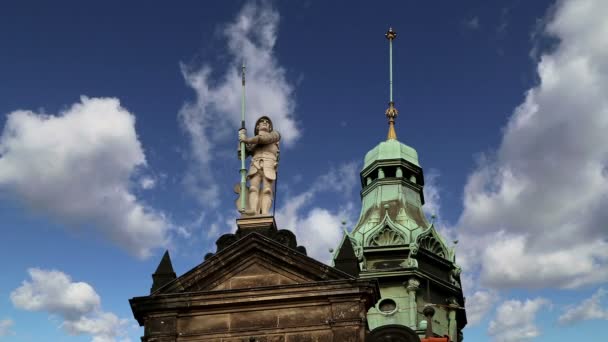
x,y
432,245
453,302
457,270
387,237
413,249
454,273
411,262
412,284
359,252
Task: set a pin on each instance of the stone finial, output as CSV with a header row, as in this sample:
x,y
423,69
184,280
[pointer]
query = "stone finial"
x,y
346,260
164,273
429,312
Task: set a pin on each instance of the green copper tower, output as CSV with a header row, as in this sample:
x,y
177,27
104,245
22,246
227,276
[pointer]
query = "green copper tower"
x,y
395,243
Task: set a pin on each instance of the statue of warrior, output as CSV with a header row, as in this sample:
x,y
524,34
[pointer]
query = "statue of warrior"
x,y
264,149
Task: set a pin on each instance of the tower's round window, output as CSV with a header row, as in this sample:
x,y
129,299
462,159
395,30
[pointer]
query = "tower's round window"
x,y
387,306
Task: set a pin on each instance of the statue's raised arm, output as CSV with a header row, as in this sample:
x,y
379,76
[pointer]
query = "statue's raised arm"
x,y
262,174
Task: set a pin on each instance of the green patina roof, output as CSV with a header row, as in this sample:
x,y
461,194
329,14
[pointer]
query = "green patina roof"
x,y
391,149
390,202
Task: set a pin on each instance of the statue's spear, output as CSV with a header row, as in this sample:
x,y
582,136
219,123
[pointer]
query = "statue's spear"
x,y
243,169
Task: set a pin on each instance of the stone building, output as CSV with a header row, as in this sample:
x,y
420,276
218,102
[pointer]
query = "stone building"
x,y
259,286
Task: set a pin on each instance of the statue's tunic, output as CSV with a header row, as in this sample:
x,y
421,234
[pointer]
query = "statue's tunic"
x,y
265,153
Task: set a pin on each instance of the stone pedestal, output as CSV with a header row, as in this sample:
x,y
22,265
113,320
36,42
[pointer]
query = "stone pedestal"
x,y
256,223
263,225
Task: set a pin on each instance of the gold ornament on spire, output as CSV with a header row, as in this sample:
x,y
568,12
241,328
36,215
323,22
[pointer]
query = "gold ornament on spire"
x,y
391,112
390,34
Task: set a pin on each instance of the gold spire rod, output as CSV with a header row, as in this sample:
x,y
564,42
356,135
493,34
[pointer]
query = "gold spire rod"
x,y
391,112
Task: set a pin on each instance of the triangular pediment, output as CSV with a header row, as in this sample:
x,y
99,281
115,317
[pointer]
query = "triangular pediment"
x,y
254,273
251,262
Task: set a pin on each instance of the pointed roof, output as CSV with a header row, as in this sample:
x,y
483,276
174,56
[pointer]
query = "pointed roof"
x,y
165,266
390,150
164,273
346,259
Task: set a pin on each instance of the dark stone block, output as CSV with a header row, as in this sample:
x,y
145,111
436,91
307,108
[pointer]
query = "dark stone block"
x,y
346,334
303,316
204,323
160,326
254,281
313,336
254,319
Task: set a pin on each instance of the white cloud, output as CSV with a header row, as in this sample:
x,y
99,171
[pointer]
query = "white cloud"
x,y
513,264
319,230
76,167
515,320
5,327
432,199
316,228
103,326
54,292
76,303
548,183
215,114
342,179
590,308
147,182
478,305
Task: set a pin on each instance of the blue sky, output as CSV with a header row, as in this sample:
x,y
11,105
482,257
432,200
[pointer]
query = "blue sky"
x,y
119,134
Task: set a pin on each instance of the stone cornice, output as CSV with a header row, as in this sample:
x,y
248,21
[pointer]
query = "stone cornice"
x,y
290,294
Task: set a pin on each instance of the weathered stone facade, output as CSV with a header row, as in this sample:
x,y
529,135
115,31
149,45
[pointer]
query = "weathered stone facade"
x,y
258,289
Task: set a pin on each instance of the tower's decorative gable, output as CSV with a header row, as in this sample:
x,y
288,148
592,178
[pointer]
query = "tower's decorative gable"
x,y
387,236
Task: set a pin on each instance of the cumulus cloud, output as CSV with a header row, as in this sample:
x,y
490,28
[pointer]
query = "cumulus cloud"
x,y
540,202
147,182
478,305
432,198
5,327
515,320
214,116
76,303
512,265
54,292
316,228
590,308
103,326
76,167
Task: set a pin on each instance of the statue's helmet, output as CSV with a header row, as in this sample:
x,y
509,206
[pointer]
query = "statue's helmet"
x,y
263,118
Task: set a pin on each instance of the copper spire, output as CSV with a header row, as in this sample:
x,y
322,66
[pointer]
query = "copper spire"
x,y
391,112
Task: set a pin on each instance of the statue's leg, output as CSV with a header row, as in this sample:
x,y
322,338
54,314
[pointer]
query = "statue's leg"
x,y
254,189
267,196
